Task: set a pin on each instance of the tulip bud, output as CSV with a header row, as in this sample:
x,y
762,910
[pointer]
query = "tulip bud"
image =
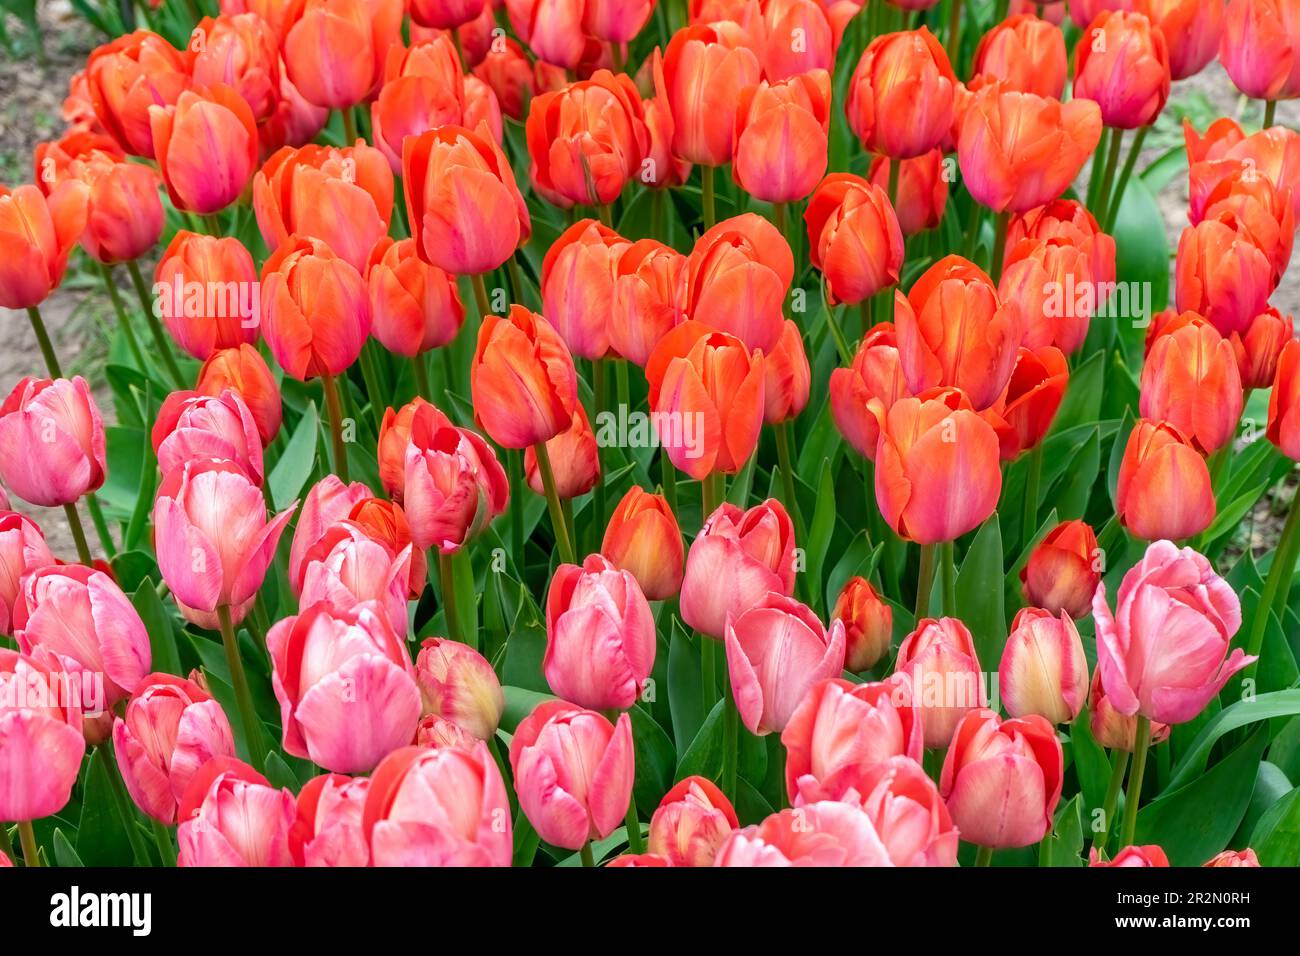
x,y
328,829
1043,670
1190,380
1222,274
1261,39
769,118
242,51
190,426
1131,856
230,815
824,834
868,624
1025,53
335,49
705,68
1023,414
38,235
41,742
692,821
1260,348
854,238
738,277
1231,858
327,503
1163,489
198,178
453,485
1110,728
1122,64
575,460
522,379
643,539
202,323
1283,403
900,100
51,441
395,434
507,70
578,277
1063,570
649,298
423,89
864,392
414,307
458,684
127,76
944,675
1192,30
922,189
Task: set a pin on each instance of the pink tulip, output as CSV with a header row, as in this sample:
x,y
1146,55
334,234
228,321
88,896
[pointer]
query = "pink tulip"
x,y
908,813
1133,857
443,807
573,772
213,540
459,685
191,426
776,651
327,503
81,617
822,834
41,742
51,441
1233,858
692,821
359,568
435,731
22,549
840,730
737,557
1002,778
230,815
939,658
1043,670
170,729
600,645
328,831
1162,653
345,684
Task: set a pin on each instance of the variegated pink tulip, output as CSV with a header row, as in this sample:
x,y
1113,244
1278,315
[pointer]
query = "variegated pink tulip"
x,y
328,830
22,549
459,685
359,568
691,822
191,426
230,815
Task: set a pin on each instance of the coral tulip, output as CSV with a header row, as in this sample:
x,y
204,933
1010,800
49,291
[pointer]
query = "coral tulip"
x,y
782,137
900,99
944,677
862,393
705,68
230,815
207,294
1163,489
414,307
1062,572
459,685
198,177
738,277
578,282
1043,670
692,821
1122,64
868,624
1190,380
854,238
41,742
38,234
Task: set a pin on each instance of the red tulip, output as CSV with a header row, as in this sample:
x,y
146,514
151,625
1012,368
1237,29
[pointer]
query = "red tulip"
x,y
1063,570
1122,64
854,238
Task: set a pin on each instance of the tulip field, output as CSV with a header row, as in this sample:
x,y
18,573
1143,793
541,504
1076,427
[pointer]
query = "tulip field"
x,y
656,433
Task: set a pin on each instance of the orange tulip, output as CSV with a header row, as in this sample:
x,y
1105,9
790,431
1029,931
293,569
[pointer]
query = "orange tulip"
x,y
280,14
787,377
206,147
587,140
706,398
343,197
37,235
868,624
862,394
937,470
854,238
663,168
737,279
1163,489
782,134
1225,151
649,298
1018,151
643,539
1251,204
705,68
1258,349
295,122
954,330
335,50
316,314
1025,53
1024,412
1261,47
615,21
467,216
414,307
798,37
242,52
1190,380
522,380
900,100
1122,64
1192,30
243,369
394,435
575,459
552,29
1223,275
423,88
922,189
506,68
126,77
578,278
124,216
1062,572
189,271
1284,403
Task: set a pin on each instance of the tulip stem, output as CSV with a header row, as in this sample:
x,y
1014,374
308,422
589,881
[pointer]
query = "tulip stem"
x,y
708,672
668,478
731,741
421,377
334,408
132,343
1270,110
1119,763
1001,223
948,572
480,296
600,389
1033,479
562,539
984,857
1112,209
166,849
954,33
786,461
155,328
706,196
841,343
31,852
925,581
711,494
447,576
587,858
1277,586
243,697
78,533
1134,795
350,124
516,278
43,339
1107,178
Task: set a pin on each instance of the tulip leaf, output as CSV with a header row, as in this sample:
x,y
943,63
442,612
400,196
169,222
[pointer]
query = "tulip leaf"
x,y
656,759
162,632
524,653
751,806
526,841
1082,402
980,594
1271,786
1282,703
101,838
858,560
278,773
684,692
1117,455
821,528
520,702
1065,847
1091,764
1276,838
1071,495
64,854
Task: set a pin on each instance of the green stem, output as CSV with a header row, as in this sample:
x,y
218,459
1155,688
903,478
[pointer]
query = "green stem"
x,y
731,741
43,340
101,526
1134,796
243,696
948,572
349,126
1032,480
779,217
562,539
334,409
710,494
587,859
841,344
422,378
708,672
786,461
706,194
516,278
1277,586
1270,110
1108,175
455,623
600,388
606,217
78,533
1098,169
668,478
160,339
895,173
132,343
31,852
1001,222
984,857
480,296
954,33
1117,199
517,485
925,581
163,839
1119,763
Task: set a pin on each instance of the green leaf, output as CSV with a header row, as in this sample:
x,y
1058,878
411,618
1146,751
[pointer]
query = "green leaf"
x,y
158,624
823,524
1276,838
1282,703
64,854
1065,847
980,594
1091,763
101,840
685,695
520,702
295,464
656,759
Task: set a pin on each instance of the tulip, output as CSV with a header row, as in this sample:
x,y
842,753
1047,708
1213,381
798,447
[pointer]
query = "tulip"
x,y
649,298
171,728
735,560
944,676
435,731
1083,12
922,189
578,283
23,550
552,29
1225,151
573,772
200,318
383,522
1132,856
230,815
1190,380
615,21
127,76
1259,48
1063,570
900,99
1043,670
1001,779
854,238
1018,151
192,426
482,107
1023,414
1191,29
954,330
864,392
124,216
38,235
1163,489
51,441
1230,858
395,435
586,140
937,471
213,540
799,37
904,805
1063,222
1110,728
423,89
198,178
782,136
467,216
705,68
41,742
691,823
1284,403
1258,211
242,51
663,168
445,14
1056,288
316,311
295,121
335,49
1122,64
643,539
327,503
1222,275
707,399
457,684
1164,652
358,568
824,834
414,307
738,277
787,379
1025,53
453,484
328,829
343,197
508,71
600,636
575,460
841,730
345,684
868,624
